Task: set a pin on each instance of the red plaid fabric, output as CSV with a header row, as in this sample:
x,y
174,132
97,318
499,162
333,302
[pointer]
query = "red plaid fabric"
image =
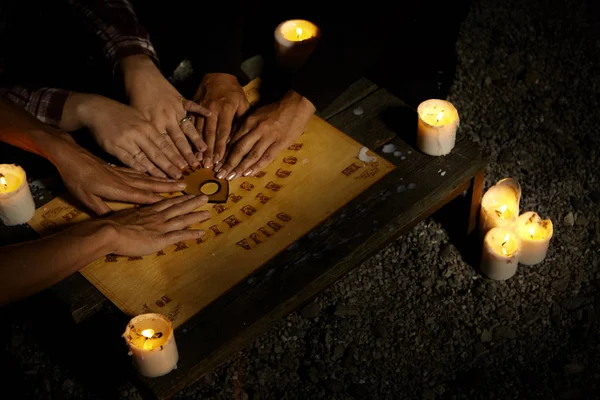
x,y
114,22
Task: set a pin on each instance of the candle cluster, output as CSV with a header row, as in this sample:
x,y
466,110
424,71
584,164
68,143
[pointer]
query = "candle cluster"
x,y
510,239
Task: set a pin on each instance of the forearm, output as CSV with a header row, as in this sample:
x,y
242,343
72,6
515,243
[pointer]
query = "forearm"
x,y
28,268
45,104
21,130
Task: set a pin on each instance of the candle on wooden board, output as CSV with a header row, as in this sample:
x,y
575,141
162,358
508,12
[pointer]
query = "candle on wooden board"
x,y
438,121
500,205
152,346
535,235
501,252
295,40
16,202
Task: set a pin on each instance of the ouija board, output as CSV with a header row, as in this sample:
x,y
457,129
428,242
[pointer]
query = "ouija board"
x,y
263,215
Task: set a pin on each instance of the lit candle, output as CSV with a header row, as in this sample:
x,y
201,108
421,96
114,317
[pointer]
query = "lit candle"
x,y
295,40
436,129
501,253
535,235
152,344
500,205
16,202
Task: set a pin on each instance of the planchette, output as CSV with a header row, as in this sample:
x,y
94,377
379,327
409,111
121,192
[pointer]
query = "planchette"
x,y
203,181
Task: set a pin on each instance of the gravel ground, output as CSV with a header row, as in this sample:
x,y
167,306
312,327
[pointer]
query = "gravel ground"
x,y
415,320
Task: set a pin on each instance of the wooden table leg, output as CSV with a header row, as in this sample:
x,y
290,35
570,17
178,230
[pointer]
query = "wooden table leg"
x,y
474,198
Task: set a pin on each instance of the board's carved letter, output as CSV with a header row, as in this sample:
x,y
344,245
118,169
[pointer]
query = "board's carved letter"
x,y
161,253
284,217
244,244
72,214
110,258
274,225
290,160
219,208
248,210
135,258
215,230
232,221
260,174
235,198
265,232
283,173
254,236
295,146
262,198
273,186
352,168
180,246
247,186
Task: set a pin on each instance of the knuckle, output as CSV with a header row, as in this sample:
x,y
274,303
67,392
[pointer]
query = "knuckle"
x,y
268,156
252,155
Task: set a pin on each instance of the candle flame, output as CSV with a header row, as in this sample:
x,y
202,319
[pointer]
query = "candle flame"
x,y
439,116
299,32
501,210
3,180
506,238
531,232
148,333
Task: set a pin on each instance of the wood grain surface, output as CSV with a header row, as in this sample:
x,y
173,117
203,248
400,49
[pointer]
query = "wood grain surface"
x,y
264,215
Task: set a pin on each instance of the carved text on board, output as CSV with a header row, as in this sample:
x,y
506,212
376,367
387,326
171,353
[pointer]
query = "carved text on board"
x,y
248,210
260,174
232,221
219,208
215,230
247,186
264,232
273,186
295,146
72,214
290,160
234,197
352,168
283,173
262,198
179,246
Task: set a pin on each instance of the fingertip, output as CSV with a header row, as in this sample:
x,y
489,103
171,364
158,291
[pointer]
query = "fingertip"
x,y
203,198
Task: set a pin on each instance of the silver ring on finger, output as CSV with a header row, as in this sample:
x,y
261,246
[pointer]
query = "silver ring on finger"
x,y
184,119
138,155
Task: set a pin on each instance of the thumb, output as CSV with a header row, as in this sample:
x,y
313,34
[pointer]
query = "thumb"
x,y
191,106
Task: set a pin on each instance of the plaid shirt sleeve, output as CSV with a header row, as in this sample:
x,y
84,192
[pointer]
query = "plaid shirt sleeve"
x,y
114,22
46,104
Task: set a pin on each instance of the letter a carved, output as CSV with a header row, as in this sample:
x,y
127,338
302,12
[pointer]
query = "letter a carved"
x,y
244,244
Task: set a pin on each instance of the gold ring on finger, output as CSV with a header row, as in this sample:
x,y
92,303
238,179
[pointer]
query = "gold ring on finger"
x,y
186,118
137,155
165,134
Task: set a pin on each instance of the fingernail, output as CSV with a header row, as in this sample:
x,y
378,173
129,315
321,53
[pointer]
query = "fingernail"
x,y
199,156
172,180
204,198
181,185
183,165
217,168
231,176
191,196
179,175
248,172
221,174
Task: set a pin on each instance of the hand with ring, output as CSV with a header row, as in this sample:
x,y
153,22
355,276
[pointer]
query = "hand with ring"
x,y
160,103
223,95
123,132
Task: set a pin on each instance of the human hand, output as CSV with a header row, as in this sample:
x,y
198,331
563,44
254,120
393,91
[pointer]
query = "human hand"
x,y
226,100
123,132
146,230
92,180
160,103
264,134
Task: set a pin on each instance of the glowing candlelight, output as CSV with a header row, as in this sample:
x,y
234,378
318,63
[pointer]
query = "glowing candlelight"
x,y
535,234
436,128
295,40
501,253
16,202
500,205
152,346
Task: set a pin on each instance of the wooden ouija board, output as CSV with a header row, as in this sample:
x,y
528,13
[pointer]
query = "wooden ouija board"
x,y
263,215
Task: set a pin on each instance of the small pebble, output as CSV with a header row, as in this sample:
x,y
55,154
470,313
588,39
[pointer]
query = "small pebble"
x,y
401,189
358,111
397,153
403,158
412,185
443,173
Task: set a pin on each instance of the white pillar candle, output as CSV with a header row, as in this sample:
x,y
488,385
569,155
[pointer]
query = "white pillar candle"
x,y
436,129
16,202
501,252
500,205
535,235
152,344
295,40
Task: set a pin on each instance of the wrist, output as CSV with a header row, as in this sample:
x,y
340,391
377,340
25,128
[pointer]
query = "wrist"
x,y
298,103
97,238
134,62
77,111
51,144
